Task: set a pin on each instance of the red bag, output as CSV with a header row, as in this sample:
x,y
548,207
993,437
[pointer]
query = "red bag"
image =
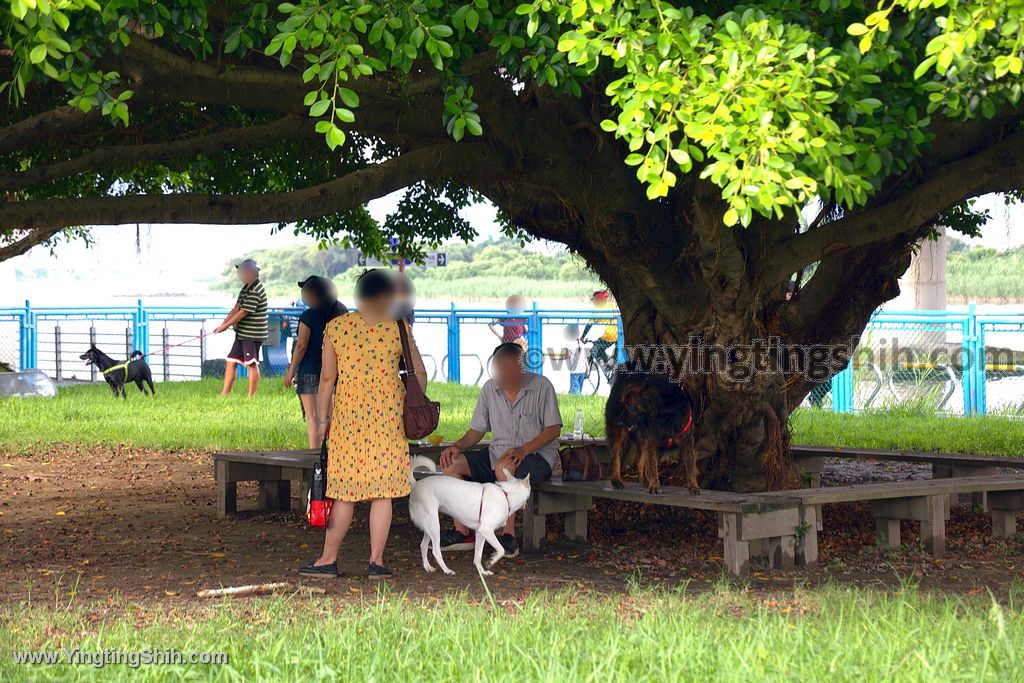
x,y
318,508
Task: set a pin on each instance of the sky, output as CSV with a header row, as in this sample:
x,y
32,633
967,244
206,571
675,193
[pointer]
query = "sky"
x,y
182,260
172,261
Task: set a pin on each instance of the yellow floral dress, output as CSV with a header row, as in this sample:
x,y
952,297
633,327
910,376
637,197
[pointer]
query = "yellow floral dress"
x,y
368,454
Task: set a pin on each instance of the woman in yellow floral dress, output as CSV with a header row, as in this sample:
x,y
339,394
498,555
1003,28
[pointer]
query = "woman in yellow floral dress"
x,y
361,397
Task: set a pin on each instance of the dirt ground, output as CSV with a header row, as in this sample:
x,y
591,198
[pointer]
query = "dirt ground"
x,y
111,523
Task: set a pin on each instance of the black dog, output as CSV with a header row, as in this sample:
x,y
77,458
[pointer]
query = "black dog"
x,y
119,374
650,413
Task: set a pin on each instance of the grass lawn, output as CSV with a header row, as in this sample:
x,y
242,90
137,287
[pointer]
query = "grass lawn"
x,y
192,415
831,634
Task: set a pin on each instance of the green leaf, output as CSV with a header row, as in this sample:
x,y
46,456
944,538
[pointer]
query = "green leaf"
x,y
37,54
924,66
319,108
349,97
335,137
857,29
731,217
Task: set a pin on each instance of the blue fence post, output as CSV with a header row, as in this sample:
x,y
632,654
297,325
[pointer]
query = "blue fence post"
x,y
980,402
967,361
620,352
140,328
534,342
30,340
454,350
24,338
843,389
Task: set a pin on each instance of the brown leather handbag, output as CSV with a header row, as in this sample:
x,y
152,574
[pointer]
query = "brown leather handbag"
x,y
419,413
580,463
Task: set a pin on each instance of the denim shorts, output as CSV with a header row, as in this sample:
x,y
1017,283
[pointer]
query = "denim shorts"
x,y
307,383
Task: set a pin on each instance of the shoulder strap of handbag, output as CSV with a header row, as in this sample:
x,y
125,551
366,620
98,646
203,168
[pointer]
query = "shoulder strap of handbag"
x,y
410,371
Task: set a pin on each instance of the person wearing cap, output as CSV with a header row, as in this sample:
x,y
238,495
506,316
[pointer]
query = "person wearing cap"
x,y
609,329
249,318
320,295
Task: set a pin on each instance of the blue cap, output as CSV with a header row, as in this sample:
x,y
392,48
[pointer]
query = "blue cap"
x,y
248,263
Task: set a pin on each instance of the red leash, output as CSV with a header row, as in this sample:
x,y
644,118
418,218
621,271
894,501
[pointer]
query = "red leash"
x,y
172,346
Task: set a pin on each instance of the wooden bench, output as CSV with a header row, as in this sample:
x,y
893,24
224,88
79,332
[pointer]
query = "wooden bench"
x,y
783,525
924,501
810,462
743,520
274,470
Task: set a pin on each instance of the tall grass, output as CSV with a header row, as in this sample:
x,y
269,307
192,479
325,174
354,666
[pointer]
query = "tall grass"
x,y
725,635
982,274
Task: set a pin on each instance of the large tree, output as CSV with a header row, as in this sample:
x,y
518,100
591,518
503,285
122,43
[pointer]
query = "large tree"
x,y
699,156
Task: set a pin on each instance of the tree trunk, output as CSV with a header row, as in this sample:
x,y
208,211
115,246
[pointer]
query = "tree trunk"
x,y
741,434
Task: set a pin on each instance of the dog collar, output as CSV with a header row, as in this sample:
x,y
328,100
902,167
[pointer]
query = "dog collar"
x,y
671,441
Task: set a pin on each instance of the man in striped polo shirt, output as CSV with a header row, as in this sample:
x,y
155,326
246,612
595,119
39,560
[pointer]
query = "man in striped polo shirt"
x,y
249,318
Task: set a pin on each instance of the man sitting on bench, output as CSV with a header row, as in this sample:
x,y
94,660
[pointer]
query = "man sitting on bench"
x,y
520,410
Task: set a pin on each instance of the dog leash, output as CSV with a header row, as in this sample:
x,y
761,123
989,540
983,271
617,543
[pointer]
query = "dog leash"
x,y
141,356
480,513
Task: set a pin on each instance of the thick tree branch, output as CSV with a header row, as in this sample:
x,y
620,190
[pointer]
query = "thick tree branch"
x,y
41,126
352,190
999,167
235,138
25,240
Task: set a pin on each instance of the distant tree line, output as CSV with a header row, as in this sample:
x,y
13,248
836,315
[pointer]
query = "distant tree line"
x,y
501,265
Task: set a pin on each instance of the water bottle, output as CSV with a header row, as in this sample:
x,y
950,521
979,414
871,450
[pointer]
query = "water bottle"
x,y
577,430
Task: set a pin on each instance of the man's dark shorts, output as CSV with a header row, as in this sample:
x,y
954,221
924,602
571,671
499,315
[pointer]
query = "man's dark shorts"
x,y
245,352
480,471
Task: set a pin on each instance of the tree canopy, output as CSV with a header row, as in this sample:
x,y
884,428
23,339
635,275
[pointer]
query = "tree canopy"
x,y
777,103
698,156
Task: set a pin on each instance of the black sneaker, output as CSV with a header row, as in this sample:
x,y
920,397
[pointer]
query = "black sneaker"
x,y
508,542
328,570
378,571
456,540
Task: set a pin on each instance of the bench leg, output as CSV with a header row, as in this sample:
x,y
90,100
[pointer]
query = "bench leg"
x,y
807,546
275,495
933,530
576,525
534,525
227,500
782,552
1004,523
887,532
736,552
757,547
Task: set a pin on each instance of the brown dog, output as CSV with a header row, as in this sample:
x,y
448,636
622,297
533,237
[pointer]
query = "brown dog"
x,y
649,414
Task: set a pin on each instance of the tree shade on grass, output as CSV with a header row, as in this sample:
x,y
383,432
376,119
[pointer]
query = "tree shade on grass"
x,y
192,416
672,146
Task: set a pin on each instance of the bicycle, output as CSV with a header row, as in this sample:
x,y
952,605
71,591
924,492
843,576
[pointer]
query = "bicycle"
x,y
596,368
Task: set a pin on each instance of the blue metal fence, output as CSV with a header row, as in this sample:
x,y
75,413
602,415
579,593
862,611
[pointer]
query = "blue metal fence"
x,y
907,356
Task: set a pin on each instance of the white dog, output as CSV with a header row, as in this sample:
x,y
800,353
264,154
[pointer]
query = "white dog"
x,y
482,507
